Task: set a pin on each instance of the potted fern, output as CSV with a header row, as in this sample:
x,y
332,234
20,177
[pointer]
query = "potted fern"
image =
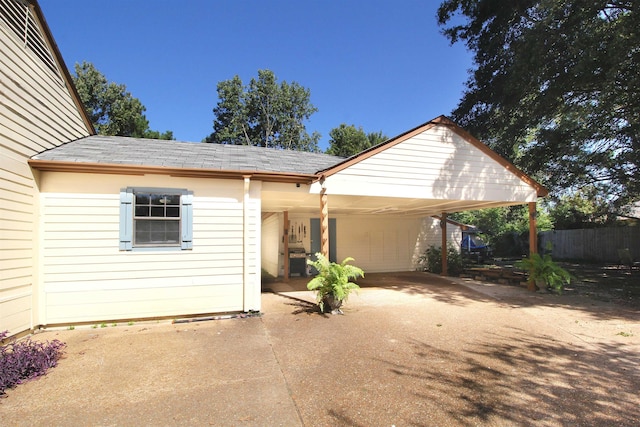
x,y
545,273
333,282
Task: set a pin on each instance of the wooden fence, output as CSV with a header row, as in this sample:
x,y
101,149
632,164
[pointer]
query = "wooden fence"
x,y
597,244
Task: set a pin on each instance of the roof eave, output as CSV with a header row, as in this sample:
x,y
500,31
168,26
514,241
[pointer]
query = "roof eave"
x,y
124,169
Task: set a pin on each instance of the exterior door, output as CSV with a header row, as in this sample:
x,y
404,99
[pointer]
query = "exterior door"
x,y
316,238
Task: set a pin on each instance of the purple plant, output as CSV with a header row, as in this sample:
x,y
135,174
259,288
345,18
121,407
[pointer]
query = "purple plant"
x,y
26,359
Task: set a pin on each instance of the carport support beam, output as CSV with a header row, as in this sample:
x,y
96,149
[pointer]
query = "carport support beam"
x,y
443,226
533,239
324,223
285,239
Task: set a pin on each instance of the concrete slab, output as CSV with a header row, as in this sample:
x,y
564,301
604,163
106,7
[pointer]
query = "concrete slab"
x,y
411,349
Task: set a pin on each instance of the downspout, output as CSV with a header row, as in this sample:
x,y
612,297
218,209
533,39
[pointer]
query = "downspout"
x,y
246,276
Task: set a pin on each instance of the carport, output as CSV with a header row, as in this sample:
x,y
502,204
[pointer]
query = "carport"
x,y
427,172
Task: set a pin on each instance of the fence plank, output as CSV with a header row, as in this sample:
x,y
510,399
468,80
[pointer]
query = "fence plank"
x,y
595,244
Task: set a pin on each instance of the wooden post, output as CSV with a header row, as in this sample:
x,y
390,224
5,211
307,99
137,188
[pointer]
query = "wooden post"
x,y
533,239
286,246
533,229
324,223
443,226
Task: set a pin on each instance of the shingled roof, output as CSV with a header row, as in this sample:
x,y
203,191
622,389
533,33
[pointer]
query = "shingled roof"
x,y
117,150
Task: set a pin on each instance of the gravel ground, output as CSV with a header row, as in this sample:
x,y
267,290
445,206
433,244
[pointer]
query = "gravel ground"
x,y
411,350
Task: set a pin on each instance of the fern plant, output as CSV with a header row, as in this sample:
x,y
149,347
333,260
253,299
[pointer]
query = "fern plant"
x,y
333,282
545,272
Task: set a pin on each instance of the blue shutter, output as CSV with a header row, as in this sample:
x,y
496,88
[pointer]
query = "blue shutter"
x,y
126,219
187,221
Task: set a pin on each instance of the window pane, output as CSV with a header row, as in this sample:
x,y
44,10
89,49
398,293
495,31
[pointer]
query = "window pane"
x,y
157,199
172,226
157,211
173,199
173,211
142,210
142,199
143,226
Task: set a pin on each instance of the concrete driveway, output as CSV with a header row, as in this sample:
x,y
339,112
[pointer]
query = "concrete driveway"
x,y
411,350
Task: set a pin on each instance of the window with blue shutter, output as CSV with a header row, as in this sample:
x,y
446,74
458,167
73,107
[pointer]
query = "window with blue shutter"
x,y
152,218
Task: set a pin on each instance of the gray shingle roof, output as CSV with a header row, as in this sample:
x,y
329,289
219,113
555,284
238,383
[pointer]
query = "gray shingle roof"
x,y
176,154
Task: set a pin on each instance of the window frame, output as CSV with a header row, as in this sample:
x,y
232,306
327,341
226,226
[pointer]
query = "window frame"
x,y
128,219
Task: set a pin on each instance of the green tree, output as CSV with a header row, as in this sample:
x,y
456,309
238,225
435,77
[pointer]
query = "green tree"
x,y
583,209
264,113
555,88
111,108
347,140
506,229
376,138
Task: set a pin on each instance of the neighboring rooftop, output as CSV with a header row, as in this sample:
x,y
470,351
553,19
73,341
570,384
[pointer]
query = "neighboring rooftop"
x,y
117,150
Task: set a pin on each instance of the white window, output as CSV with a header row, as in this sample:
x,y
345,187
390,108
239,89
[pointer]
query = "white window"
x,y
155,218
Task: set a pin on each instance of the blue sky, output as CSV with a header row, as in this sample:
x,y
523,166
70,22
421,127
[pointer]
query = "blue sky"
x,y
382,65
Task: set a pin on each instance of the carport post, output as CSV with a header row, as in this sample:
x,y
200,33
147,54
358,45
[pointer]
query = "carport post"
x,y
443,226
324,223
533,232
285,238
533,239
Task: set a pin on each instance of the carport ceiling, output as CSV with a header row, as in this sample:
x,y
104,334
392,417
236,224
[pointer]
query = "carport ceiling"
x,y
361,205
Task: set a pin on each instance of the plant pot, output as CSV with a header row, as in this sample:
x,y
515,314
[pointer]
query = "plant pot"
x,y
331,304
542,286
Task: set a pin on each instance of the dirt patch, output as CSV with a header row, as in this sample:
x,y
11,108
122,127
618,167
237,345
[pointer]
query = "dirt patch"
x,y
601,282
607,283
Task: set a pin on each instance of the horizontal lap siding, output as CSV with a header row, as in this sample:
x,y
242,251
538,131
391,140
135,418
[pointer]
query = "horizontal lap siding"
x,y
378,244
270,244
87,278
436,164
389,244
37,113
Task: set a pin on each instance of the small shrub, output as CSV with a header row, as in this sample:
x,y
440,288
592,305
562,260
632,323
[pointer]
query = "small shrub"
x,y
545,272
333,280
431,261
26,359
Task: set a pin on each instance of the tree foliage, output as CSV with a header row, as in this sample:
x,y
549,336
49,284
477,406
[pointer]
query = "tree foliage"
x,y
495,221
263,113
506,229
555,88
347,140
585,208
111,108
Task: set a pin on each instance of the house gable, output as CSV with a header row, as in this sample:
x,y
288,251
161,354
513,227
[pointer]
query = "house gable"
x,y
436,161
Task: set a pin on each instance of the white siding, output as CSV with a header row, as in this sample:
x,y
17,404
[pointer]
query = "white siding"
x,y
436,164
36,113
387,244
270,242
86,278
378,244
431,235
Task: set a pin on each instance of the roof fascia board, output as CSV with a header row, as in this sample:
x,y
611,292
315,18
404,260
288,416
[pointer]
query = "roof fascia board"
x,y
44,27
103,168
